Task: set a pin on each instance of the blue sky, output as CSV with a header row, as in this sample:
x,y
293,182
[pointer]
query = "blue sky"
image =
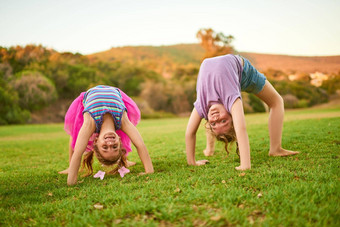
x,y
293,27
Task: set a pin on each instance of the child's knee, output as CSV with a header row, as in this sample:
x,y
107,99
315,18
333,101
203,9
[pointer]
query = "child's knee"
x,y
276,102
280,101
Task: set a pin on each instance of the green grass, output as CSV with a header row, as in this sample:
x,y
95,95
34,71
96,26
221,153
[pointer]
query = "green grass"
x,y
302,190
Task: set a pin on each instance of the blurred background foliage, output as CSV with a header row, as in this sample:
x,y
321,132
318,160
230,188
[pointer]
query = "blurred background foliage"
x,y
38,84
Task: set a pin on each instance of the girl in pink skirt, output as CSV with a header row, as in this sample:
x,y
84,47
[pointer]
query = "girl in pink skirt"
x,y
102,122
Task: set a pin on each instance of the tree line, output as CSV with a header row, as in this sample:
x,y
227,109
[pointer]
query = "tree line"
x,y
33,77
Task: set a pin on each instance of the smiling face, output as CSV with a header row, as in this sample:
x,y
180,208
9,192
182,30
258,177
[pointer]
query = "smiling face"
x,y
108,145
219,119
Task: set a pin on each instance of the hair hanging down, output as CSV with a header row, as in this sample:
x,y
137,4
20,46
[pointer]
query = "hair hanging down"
x,y
88,161
227,138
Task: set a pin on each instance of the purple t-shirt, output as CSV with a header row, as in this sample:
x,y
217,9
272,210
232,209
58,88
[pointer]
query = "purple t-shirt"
x,y
219,81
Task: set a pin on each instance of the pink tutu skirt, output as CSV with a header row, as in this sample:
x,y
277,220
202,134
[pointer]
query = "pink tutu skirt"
x,y
74,120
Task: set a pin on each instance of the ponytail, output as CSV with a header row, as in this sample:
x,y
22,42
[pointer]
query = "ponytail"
x,y
228,140
87,163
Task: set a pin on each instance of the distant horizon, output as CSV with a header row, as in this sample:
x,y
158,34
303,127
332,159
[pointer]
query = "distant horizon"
x,y
293,28
66,51
235,49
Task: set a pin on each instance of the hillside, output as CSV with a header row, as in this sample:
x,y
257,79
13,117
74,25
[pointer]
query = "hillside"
x,y
180,53
289,64
164,59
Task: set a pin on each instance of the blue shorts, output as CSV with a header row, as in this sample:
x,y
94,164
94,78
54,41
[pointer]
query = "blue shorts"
x,y
252,81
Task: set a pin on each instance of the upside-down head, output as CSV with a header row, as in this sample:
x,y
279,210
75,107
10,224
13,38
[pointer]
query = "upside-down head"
x,y
109,151
220,123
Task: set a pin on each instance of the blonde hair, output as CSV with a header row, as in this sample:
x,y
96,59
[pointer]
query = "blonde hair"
x,y
120,160
228,138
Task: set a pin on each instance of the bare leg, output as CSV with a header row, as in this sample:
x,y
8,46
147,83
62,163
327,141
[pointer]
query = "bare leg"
x,y
210,148
275,123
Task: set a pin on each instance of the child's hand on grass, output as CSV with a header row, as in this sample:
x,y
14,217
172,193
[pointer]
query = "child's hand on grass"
x,y
201,162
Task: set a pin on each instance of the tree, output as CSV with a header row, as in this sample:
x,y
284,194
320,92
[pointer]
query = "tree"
x,y
35,91
332,84
10,111
214,43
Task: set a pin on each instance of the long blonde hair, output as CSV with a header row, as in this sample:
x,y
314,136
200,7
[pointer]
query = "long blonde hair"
x,y
228,138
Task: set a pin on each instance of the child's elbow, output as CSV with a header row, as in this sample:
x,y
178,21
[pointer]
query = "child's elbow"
x,y
141,147
189,135
243,128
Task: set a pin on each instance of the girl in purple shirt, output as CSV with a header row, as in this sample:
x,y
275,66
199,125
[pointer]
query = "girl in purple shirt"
x,y
219,84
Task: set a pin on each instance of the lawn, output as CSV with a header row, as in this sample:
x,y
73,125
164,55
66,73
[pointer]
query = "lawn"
x,y
302,190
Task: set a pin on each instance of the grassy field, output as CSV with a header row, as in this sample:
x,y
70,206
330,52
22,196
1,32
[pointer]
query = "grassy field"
x,y
302,190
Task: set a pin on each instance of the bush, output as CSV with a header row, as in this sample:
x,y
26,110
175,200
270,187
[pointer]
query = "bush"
x,y
303,103
332,84
290,101
130,78
154,95
256,103
35,91
168,97
251,103
10,111
302,90
79,79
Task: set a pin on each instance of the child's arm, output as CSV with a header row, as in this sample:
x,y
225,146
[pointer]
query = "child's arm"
x,y
190,138
133,133
70,150
210,148
84,135
241,134
70,153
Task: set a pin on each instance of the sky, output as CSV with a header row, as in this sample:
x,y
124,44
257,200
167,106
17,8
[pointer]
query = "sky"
x,y
290,27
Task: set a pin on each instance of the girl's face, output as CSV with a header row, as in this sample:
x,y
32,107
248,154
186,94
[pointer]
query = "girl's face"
x,y
108,145
219,119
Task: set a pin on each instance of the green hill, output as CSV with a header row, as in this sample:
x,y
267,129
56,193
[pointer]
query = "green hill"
x,y
162,59
165,59
180,53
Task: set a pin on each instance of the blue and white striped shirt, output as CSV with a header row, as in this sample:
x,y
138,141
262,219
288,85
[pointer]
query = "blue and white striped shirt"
x,y
103,99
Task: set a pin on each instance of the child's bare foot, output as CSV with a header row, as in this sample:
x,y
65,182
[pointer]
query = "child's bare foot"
x,y
282,152
130,163
208,153
64,171
242,167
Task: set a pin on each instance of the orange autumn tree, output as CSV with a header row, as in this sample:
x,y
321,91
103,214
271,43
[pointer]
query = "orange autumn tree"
x,y
214,44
